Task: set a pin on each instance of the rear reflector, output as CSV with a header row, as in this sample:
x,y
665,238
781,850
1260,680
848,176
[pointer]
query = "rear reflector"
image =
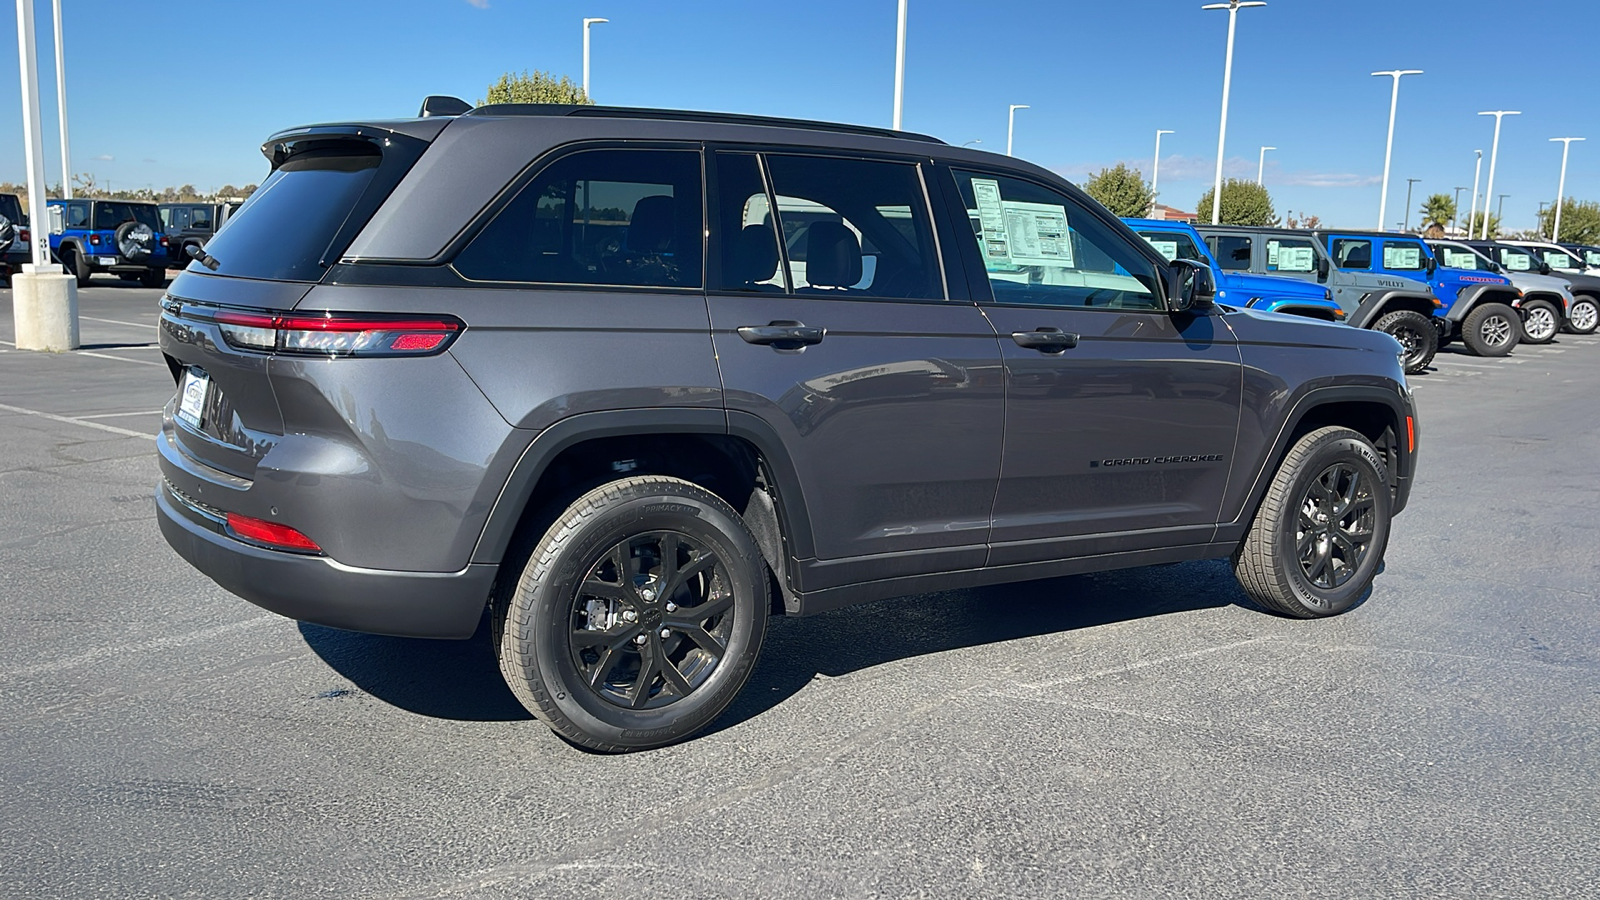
x,y
270,533
1411,434
334,334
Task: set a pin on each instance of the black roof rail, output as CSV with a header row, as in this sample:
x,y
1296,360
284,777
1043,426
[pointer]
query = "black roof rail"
x,y
686,115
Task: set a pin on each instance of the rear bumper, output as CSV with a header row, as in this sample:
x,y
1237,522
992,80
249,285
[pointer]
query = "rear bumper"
x,y
318,590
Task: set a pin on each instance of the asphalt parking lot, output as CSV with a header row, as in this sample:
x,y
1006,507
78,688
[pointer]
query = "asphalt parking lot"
x,y
1135,734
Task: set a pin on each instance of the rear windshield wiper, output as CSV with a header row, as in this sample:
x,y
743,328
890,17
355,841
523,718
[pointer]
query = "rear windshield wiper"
x,y
204,258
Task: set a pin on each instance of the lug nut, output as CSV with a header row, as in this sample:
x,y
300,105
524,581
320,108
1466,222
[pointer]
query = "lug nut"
x,y
629,615
648,594
672,607
666,632
641,639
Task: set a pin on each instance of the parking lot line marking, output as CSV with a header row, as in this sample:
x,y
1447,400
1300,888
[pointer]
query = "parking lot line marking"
x,y
1493,365
125,432
118,322
148,412
172,640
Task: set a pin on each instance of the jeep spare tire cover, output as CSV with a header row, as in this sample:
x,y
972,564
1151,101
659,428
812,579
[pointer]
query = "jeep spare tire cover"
x,y
8,234
135,240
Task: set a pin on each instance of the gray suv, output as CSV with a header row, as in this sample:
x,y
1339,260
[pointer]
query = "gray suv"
x,y
631,381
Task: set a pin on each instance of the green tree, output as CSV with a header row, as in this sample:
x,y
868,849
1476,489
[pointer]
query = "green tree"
x,y
1439,209
538,87
1121,190
1475,227
1580,221
1243,203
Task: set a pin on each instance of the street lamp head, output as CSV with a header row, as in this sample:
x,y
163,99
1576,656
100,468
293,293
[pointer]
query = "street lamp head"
x,y
1497,113
1234,4
1569,139
1169,131
1019,106
588,22
1396,73
1269,148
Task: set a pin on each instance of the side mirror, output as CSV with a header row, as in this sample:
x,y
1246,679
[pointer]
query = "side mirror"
x,y
1433,266
1194,288
1323,268
1544,268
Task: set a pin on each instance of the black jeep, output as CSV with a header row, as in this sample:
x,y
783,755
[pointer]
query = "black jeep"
x,y
192,224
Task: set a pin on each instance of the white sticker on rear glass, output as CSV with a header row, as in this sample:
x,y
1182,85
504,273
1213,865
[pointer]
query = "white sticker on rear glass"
x,y
1037,234
1402,256
1168,249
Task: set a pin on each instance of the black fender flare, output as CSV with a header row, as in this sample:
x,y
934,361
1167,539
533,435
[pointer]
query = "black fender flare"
x,y
74,244
1267,468
1374,305
1551,297
509,506
1470,297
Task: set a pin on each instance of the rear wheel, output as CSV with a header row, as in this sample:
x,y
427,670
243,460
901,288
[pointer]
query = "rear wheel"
x,y
1318,539
1540,321
1491,329
639,616
153,278
1584,316
77,265
1417,337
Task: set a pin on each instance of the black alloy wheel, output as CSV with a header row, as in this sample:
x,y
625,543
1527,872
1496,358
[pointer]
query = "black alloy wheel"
x,y
651,620
1335,526
1418,337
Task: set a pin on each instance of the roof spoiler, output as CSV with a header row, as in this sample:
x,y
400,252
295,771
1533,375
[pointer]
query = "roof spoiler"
x,y
440,105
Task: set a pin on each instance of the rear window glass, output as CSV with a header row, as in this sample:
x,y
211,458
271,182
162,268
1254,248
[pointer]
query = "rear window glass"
x,y
10,207
109,214
284,229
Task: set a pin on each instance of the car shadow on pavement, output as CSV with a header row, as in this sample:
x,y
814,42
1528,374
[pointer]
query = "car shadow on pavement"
x,y
461,680
441,679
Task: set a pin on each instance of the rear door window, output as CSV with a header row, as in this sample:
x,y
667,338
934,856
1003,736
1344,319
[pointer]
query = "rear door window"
x,y
1352,253
600,217
1286,254
1459,258
1517,260
1559,259
1231,250
1404,256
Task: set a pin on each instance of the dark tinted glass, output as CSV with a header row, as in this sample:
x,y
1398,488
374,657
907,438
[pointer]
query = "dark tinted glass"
x,y
110,214
855,228
202,217
10,207
1232,251
615,217
286,227
1349,253
749,242
1042,247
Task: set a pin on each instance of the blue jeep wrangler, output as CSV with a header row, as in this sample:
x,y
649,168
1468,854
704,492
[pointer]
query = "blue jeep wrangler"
x,y
1399,307
122,237
1178,240
1479,307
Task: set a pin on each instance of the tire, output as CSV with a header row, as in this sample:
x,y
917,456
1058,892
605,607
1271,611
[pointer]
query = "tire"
x,y
1296,558
78,265
153,278
1540,321
1584,316
1491,329
600,563
1415,333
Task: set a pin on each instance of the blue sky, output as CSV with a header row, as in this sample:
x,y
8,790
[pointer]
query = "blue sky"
x,y
1100,77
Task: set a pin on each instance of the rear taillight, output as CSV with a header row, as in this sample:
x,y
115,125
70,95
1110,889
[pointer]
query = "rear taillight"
x,y
94,239
23,233
280,537
163,240
337,335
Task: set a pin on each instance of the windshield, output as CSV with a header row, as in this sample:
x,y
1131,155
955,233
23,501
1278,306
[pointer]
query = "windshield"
x,y
1174,245
109,214
1455,256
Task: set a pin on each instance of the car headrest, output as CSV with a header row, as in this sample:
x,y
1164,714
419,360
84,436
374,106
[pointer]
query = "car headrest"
x,y
833,256
755,255
652,225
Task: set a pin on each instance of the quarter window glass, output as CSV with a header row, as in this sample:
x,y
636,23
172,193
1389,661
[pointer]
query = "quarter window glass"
x,y
1403,256
77,215
1043,248
1232,252
1349,253
1291,255
202,217
854,228
614,217
749,238
1173,245
1517,260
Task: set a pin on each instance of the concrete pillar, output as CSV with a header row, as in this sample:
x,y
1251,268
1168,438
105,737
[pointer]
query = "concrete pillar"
x,y
44,306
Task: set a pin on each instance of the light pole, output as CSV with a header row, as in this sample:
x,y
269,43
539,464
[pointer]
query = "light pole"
x,y
1011,124
61,107
1388,147
1455,209
973,141
1499,209
1233,7
1406,225
586,24
1494,157
1155,169
1476,171
1261,166
32,138
1561,188
900,63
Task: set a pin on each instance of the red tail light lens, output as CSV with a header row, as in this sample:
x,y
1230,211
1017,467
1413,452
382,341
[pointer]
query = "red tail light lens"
x,y
337,335
270,533
94,239
23,233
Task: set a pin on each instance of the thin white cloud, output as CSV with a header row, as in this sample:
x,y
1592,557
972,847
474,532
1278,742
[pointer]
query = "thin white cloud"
x,y
104,157
479,4
1327,180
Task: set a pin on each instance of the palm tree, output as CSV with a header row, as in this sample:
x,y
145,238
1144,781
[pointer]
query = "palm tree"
x,y
1439,209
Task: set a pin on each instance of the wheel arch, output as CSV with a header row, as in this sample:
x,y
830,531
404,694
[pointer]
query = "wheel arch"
x,y
1471,298
1378,304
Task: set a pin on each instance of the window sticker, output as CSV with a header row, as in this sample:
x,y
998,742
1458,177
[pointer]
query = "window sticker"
x,y
1592,257
1037,234
1296,259
1517,262
1402,256
1167,249
1559,260
992,223
1273,248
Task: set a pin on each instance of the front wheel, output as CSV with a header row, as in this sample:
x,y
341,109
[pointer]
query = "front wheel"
x,y
1319,536
1417,336
639,616
1584,316
1491,329
1540,321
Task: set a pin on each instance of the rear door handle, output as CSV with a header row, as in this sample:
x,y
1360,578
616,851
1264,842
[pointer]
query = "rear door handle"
x,y
1045,340
782,335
